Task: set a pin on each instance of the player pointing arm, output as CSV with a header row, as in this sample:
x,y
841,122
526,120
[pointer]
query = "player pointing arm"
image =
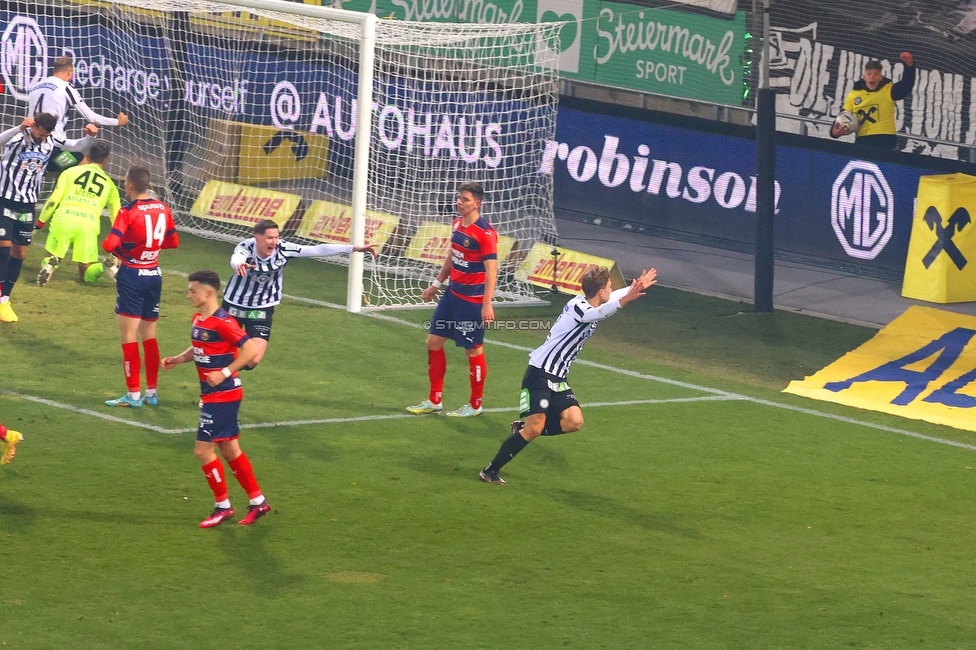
x,y
255,288
547,403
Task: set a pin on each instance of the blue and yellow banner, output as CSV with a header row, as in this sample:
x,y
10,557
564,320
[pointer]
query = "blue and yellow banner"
x,y
921,366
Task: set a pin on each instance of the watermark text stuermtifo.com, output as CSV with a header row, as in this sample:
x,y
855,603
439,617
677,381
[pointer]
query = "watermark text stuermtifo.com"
x,y
512,324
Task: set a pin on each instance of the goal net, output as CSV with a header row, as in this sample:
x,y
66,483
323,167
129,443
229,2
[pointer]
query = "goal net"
x,y
250,114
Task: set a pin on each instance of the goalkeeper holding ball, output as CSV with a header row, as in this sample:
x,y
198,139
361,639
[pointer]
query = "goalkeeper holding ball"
x,y
74,211
873,102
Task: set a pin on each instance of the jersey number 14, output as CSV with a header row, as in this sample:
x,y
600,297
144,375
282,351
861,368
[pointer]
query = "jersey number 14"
x,y
155,233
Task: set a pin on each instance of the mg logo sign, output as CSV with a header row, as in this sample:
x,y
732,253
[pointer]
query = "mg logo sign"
x,y
862,209
23,55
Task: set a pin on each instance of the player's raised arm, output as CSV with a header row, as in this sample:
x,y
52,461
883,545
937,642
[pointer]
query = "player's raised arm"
x,y
91,115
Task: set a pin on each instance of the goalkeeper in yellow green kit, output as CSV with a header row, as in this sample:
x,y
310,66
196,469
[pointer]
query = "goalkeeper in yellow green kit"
x,y
74,211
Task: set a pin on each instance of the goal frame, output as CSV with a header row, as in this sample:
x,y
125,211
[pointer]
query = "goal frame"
x,y
364,96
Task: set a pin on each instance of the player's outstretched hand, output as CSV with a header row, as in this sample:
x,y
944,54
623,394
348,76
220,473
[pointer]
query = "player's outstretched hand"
x,y
648,278
243,268
169,363
907,58
123,119
91,129
366,247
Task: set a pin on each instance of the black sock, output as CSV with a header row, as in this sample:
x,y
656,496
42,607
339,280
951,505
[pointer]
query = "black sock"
x,y
512,445
13,274
553,427
4,262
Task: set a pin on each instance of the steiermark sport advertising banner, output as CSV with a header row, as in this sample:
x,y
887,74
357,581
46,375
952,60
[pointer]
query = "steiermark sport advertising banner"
x,y
629,46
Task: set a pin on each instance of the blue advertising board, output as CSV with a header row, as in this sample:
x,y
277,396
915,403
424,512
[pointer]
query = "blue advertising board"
x,y
829,206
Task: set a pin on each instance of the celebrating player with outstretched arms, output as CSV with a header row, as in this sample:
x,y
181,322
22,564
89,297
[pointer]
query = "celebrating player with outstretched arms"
x,y
220,348
141,229
547,403
254,290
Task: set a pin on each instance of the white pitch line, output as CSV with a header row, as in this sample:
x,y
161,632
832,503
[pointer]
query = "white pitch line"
x,y
664,380
78,409
357,418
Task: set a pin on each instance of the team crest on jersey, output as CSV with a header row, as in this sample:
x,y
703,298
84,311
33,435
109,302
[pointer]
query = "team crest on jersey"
x,y
857,100
467,242
205,336
261,279
543,403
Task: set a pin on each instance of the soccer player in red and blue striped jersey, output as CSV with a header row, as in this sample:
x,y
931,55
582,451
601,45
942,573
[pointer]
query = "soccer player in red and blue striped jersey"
x,y
463,310
220,348
141,229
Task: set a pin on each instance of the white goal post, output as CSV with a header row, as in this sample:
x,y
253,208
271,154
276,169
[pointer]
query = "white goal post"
x,y
252,109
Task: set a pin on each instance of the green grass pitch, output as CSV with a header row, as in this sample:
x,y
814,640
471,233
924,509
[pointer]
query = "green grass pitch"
x,y
702,524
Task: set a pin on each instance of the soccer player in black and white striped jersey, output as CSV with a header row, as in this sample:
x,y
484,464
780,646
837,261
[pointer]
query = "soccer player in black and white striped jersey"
x,y
27,149
547,404
255,288
56,95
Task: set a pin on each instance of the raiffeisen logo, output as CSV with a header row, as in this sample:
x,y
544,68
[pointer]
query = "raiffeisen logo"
x,y
23,55
862,209
697,184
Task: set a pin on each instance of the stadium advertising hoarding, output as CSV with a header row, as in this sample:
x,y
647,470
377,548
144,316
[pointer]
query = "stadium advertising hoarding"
x,y
564,270
616,44
649,176
243,205
921,366
331,223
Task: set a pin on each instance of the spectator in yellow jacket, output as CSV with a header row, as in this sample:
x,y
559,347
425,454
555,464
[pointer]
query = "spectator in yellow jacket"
x,y
873,101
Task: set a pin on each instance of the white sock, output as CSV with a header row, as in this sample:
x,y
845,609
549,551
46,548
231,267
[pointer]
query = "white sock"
x,y
135,395
256,501
225,504
150,392
4,299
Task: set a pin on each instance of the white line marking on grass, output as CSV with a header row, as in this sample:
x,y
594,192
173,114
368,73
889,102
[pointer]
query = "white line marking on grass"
x,y
720,394
78,409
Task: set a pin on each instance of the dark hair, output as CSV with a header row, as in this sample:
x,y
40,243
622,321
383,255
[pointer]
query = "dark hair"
x,y
99,151
873,65
209,278
475,189
46,121
594,279
262,227
139,177
62,64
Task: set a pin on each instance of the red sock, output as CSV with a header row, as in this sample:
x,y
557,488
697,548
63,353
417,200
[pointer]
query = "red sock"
x,y
436,369
3,432
214,471
241,467
151,349
477,375
130,363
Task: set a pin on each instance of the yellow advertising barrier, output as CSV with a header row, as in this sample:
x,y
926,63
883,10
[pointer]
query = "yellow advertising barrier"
x,y
537,269
244,205
433,240
332,223
269,154
252,154
941,265
921,366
